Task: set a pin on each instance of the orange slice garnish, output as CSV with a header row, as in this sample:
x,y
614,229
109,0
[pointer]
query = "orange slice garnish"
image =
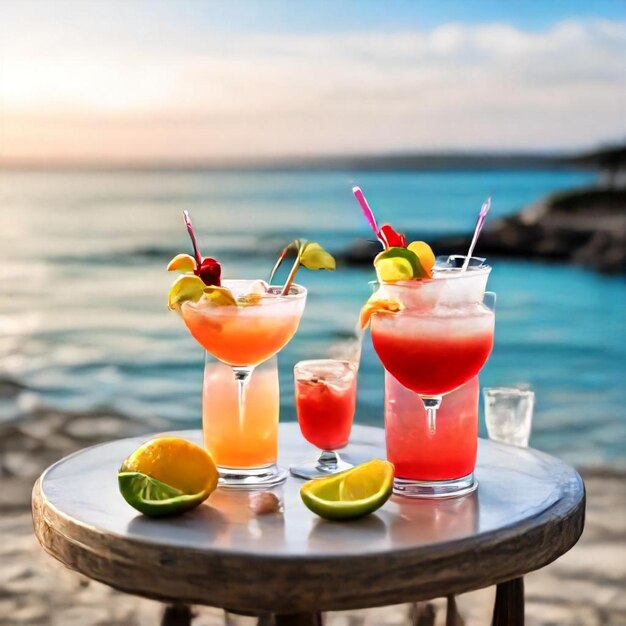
x,y
425,255
377,306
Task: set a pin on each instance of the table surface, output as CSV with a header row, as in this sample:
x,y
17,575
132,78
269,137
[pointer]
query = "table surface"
x,y
527,511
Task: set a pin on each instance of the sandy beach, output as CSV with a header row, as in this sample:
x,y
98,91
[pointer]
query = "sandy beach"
x,y
583,588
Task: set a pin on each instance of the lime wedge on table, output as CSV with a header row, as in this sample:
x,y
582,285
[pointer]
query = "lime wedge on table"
x,y
350,494
152,497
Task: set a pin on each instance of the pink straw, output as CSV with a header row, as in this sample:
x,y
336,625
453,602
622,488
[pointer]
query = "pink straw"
x,y
479,226
369,215
196,250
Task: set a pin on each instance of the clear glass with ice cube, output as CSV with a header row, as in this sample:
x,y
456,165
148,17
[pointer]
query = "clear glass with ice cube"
x,y
509,414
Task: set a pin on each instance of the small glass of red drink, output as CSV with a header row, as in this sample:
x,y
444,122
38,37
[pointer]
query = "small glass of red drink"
x,y
325,394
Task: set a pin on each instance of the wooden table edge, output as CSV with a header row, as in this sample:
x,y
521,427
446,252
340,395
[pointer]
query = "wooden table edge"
x,y
453,568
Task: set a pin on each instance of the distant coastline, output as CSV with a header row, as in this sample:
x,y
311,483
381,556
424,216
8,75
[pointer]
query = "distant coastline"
x,y
585,226
398,162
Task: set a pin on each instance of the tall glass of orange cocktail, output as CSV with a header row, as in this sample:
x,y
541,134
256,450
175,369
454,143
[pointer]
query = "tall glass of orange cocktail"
x,y
244,444
242,325
240,392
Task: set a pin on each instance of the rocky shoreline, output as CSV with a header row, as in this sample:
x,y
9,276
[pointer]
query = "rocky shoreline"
x,y
583,588
586,227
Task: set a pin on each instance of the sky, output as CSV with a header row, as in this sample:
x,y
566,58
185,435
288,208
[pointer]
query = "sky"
x,y
152,80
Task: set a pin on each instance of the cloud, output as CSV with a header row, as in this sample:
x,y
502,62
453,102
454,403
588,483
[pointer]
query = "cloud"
x,y
456,86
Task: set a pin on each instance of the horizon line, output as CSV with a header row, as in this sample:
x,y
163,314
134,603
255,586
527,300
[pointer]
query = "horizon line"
x,y
436,159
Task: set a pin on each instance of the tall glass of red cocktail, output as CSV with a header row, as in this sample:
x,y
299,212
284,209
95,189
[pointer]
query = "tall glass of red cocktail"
x,y
434,344
440,463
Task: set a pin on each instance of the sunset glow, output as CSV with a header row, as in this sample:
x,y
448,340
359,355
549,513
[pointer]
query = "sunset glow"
x,y
135,84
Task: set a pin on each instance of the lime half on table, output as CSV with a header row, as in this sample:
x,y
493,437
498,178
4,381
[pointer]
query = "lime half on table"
x,y
154,498
350,494
167,475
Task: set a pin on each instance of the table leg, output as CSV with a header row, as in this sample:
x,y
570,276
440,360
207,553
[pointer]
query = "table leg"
x,y
422,614
509,607
453,617
298,619
177,615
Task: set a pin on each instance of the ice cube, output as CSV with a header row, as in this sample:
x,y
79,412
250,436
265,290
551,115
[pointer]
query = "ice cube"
x,y
333,373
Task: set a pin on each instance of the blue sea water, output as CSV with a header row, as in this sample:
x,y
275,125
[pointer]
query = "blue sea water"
x,y
83,320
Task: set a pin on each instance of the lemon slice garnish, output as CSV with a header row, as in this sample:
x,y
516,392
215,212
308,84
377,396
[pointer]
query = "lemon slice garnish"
x,y
182,263
185,288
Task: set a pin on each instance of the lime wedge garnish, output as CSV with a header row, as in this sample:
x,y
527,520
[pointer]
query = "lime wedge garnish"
x,y
350,494
185,287
155,498
396,264
314,257
393,270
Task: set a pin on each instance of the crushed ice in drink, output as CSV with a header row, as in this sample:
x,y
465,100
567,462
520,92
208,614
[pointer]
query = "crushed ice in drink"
x,y
337,375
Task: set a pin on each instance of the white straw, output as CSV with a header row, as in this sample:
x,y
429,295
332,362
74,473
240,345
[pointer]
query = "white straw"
x,y
479,226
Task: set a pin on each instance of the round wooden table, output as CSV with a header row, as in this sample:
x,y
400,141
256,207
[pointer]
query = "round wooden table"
x,y
527,511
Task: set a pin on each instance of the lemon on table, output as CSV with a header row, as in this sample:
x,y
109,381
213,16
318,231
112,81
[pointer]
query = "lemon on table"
x,y
167,475
350,494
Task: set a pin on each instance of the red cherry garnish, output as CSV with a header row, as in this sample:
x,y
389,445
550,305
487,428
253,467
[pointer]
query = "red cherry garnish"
x,y
210,272
207,269
390,238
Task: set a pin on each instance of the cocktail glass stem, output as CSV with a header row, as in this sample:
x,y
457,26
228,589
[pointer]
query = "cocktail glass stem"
x,y
329,460
242,376
431,404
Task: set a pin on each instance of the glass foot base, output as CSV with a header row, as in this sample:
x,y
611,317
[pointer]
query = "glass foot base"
x,y
435,488
329,463
252,478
